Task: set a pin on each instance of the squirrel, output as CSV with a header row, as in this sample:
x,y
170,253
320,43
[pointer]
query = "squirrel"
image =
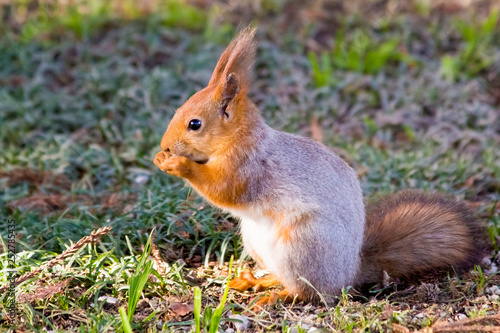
x,y
300,205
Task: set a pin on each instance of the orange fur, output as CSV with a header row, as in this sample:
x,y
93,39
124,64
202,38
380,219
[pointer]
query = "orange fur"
x,y
246,280
272,299
283,230
284,233
412,233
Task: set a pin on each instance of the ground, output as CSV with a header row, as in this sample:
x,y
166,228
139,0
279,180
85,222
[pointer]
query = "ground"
x,y
406,92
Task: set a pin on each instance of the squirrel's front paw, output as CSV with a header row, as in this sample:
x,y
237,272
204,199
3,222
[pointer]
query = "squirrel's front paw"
x,y
161,157
174,165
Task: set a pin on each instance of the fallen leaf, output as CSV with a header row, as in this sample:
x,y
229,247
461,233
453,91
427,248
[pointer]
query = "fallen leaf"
x,y
182,309
387,312
397,328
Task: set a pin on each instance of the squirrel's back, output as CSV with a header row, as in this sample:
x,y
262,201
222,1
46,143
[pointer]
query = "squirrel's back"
x,y
413,233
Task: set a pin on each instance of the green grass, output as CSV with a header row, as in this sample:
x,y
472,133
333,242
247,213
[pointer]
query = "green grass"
x,y
86,93
478,52
136,285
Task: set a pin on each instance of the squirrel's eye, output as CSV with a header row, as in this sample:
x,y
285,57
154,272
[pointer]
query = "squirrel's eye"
x,y
194,124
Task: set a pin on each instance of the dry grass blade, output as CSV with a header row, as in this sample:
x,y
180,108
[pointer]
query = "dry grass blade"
x,y
316,130
158,264
94,237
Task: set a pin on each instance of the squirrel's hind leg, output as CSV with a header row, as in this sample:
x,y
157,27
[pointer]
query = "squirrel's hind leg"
x,y
272,299
246,280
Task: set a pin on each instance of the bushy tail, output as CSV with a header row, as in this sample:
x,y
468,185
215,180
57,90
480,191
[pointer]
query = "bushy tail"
x,y
413,233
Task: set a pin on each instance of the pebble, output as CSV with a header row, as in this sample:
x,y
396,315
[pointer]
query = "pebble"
x,y
309,308
303,326
460,316
141,179
492,270
243,325
108,299
493,290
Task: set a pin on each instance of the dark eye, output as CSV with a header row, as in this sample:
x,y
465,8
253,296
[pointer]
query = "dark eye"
x,y
194,124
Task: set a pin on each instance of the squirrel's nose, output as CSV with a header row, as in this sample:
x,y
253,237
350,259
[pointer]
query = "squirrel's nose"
x,y
165,145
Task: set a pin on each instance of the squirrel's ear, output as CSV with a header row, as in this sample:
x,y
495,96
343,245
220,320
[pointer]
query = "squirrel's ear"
x,y
235,65
230,89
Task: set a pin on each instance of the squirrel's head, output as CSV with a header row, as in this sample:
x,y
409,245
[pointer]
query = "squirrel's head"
x,y
210,120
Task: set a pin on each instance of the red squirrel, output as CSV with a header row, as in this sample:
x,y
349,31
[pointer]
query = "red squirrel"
x,y
300,205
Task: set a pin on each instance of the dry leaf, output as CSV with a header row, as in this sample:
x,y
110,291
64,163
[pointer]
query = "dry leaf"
x,y
387,312
182,309
397,328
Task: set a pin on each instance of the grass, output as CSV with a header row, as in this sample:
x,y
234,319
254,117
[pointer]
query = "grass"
x,y
136,284
87,91
476,54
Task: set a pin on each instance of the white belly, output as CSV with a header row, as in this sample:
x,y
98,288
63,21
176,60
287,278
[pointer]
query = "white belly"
x,y
259,239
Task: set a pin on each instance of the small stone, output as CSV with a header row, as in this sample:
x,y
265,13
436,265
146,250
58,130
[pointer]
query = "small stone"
x,y
141,179
303,326
486,261
309,308
108,299
153,303
493,290
492,269
310,318
460,316
243,325
229,330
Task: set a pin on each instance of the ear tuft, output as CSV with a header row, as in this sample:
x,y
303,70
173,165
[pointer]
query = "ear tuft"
x,y
237,60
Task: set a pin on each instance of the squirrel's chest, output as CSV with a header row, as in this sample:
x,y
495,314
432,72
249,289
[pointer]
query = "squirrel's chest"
x,y
259,237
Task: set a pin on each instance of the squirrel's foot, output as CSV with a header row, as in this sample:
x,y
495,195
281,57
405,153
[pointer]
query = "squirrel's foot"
x,y
265,283
272,299
246,280
172,164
